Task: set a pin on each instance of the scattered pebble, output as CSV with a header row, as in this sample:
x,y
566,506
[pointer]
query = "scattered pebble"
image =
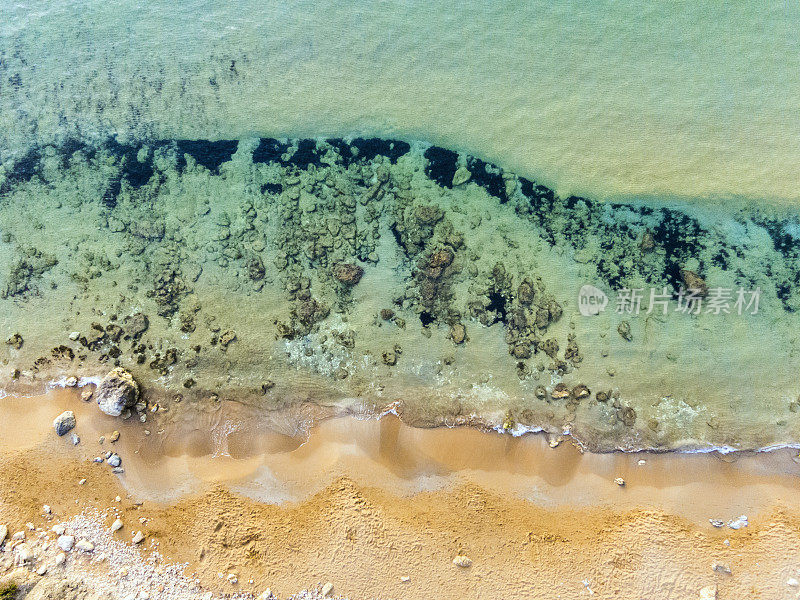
x,y
47,510
405,579
71,381
642,462
75,439
327,589
86,395
721,568
116,525
84,546
61,559
462,561
59,529
738,522
619,481
716,522
82,482
114,436
66,542
138,537
114,460
792,582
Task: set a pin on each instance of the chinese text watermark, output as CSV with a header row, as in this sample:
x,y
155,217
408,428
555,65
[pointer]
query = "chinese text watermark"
x,y
633,301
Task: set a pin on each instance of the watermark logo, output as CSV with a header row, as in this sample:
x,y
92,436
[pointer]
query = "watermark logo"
x,y
633,301
591,301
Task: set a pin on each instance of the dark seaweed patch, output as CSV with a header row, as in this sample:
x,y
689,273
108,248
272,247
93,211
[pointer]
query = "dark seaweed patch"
x,y
488,176
441,165
369,148
271,188
305,155
209,154
269,150
497,303
26,167
70,147
426,318
679,235
136,173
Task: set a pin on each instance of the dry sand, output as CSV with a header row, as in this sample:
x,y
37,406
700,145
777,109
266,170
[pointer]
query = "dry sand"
x,y
395,503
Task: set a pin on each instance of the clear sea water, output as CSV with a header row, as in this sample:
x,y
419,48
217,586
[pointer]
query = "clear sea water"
x,y
604,98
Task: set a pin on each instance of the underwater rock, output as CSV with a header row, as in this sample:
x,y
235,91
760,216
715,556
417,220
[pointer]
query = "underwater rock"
x,y
136,325
624,329
580,391
462,175
693,281
64,422
458,333
117,391
15,341
560,391
347,273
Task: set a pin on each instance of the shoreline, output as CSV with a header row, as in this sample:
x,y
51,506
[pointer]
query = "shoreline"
x,y
486,424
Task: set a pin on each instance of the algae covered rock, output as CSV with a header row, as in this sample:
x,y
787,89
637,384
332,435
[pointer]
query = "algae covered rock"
x,y
348,273
117,391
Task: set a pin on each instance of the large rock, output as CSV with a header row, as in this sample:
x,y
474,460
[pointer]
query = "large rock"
x,y
64,422
116,392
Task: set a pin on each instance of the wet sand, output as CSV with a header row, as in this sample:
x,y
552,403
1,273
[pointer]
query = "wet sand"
x,y
364,503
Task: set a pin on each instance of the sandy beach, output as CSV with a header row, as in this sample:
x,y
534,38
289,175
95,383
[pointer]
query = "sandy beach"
x,y
381,510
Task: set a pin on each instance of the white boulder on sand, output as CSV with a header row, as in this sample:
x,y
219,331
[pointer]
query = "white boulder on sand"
x,y
116,392
64,422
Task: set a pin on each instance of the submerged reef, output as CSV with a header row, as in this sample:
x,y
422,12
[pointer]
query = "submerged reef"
x,y
373,273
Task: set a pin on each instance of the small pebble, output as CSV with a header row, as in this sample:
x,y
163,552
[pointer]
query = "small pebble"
x,y
82,482
75,439
619,481
114,460
138,538
327,589
716,522
66,542
462,561
738,522
84,546
117,525
721,568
